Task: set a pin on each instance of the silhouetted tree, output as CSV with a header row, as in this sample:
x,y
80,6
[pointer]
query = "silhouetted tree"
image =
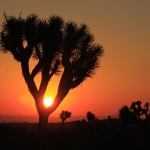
x,y
61,48
133,107
146,112
90,117
63,116
126,115
109,117
139,110
136,110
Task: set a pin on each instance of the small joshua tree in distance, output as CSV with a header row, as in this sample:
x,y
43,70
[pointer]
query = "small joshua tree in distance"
x,y
126,115
90,117
146,112
63,116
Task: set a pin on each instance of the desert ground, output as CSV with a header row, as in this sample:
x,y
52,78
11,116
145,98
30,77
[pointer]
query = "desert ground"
x,y
107,134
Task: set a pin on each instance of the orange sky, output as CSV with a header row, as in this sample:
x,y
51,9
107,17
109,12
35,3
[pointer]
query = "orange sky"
x,y
122,27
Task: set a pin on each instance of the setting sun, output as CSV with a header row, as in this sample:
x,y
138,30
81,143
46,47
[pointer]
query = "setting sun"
x,y
48,102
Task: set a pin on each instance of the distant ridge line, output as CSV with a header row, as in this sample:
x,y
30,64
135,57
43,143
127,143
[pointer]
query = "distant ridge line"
x,y
34,118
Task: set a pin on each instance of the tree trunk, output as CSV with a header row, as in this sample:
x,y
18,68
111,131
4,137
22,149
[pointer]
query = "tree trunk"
x,y
43,122
42,130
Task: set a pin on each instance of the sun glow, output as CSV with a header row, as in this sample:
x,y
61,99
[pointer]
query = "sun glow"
x,y
48,101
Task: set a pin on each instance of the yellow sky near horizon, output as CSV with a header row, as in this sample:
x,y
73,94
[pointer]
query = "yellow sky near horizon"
x,y
121,27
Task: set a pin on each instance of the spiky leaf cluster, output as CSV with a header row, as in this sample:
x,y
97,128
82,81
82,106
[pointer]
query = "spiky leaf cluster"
x,y
79,52
55,44
41,39
11,36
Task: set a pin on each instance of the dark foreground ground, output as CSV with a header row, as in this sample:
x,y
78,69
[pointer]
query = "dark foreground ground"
x,y
104,135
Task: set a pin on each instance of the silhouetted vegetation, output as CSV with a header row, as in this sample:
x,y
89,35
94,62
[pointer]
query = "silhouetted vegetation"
x,y
90,117
81,134
134,113
126,115
60,48
146,112
63,116
66,49
107,134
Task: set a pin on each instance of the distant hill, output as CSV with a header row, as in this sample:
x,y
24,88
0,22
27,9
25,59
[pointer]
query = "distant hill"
x,y
34,118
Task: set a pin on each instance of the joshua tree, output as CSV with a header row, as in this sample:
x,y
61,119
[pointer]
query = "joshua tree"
x,y
61,48
126,115
63,116
139,110
146,112
133,107
90,117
